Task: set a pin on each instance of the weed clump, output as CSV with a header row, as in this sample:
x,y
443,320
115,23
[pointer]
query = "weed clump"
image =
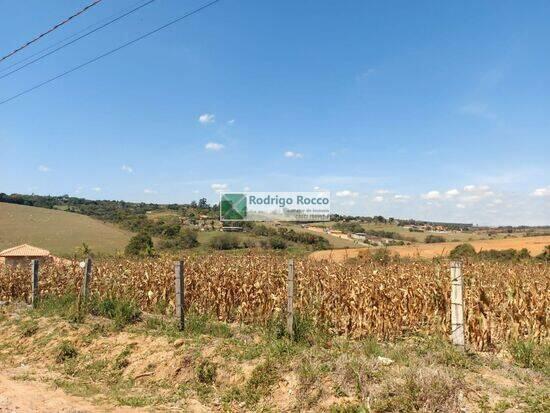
x,y
66,351
206,372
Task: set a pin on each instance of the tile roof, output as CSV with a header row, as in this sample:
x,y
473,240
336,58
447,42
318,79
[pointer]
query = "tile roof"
x,y
24,250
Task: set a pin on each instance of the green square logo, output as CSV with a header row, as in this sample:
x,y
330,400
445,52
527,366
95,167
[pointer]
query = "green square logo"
x,y
233,207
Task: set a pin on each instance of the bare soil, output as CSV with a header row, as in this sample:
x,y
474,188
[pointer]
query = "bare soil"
x,y
535,245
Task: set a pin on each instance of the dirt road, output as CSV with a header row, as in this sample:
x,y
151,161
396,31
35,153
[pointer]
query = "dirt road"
x,y
34,397
535,245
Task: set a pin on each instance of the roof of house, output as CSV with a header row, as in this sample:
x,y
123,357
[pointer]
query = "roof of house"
x,y
24,250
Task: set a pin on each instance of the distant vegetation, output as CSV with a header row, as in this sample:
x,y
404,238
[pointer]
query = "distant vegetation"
x,y
432,239
468,251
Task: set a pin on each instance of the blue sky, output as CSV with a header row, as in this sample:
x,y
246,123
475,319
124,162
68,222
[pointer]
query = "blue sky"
x,y
428,110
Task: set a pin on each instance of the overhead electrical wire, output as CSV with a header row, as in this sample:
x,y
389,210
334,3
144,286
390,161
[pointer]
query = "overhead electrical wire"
x,y
77,39
95,59
58,25
71,36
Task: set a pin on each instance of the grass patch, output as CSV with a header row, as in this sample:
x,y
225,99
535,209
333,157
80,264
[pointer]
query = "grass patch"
x,y
28,328
206,372
65,351
529,354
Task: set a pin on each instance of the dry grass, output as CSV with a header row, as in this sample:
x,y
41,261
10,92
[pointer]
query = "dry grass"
x,y
504,301
58,231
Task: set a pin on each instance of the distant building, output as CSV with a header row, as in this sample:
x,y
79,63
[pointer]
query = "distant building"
x,y
23,254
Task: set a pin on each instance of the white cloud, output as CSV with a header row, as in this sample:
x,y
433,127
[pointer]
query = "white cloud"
x,y
96,189
541,192
347,194
231,121
219,187
246,189
207,118
291,154
400,197
149,191
477,109
127,168
378,198
460,206
431,195
213,146
44,168
475,193
452,192
382,191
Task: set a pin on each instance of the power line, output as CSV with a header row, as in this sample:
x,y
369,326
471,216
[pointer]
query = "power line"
x,y
77,39
62,40
95,59
68,19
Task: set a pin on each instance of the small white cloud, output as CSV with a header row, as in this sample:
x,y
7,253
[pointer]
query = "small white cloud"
x,y
44,168
207,118
452,192
382,191
196,191
400,197
213,146
347,194
96,189
477,109
149,191
431,195
541,192
460,206
219,187
231,121
127,168
378,198
291,154
246,189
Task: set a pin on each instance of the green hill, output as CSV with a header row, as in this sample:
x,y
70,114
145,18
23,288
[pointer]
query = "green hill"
x,y
58,231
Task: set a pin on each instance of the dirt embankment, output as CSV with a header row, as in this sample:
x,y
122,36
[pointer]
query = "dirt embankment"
x,y
535,245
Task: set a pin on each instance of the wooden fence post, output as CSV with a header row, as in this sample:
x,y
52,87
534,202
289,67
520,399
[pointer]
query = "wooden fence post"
x,y
87,278
457,305
180,277
35,292
290,299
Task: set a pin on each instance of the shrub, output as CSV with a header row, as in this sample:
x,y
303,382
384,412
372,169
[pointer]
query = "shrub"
x,y
120,311
187,238
65,351
206,372
432,239
224,242
140,244
463,251
277,243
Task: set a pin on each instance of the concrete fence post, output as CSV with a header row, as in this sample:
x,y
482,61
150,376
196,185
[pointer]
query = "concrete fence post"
x,y
457,305
87,278
35,292
290,299
180,296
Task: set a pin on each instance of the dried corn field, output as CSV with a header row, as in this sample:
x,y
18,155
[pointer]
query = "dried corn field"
x,y
502,300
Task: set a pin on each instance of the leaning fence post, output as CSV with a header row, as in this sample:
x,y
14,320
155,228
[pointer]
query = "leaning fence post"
x,y
35,293
87,278
457,305
290,299
180,294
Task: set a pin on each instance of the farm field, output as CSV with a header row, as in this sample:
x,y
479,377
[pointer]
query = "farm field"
x,y
58,231
535,245
368,335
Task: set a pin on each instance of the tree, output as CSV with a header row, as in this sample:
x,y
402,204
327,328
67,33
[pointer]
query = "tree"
x,y
140,244
203,204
